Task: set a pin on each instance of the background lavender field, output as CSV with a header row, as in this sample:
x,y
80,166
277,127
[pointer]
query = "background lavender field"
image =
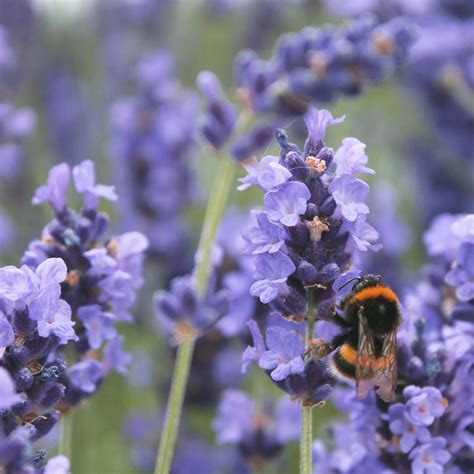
x,y
109,80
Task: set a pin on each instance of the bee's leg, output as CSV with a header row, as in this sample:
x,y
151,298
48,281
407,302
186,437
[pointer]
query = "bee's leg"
x,y
337,319
318,348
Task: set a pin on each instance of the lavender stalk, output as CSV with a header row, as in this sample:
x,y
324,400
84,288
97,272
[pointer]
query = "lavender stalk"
x,y
215,209
306,440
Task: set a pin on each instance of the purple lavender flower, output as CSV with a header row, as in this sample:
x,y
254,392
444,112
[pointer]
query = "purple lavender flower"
x,y
427,430
266,173
84,180
257,435
430,457
273,270
85,375
461,275
115,357
153,135
98,324
101,278
253,353
424,405
6,334
349,195
320,64
286,204
180,312
219,121
34,325
54,191
58,465
302,216
15,126
351,159
284,356
266,237
410,432
307,381
7,390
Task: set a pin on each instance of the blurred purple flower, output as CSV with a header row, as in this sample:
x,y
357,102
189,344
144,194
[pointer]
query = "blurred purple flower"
x,y
115,357
54,191
98,323
85,375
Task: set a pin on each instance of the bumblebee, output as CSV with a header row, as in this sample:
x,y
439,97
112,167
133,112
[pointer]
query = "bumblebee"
x,y
366,349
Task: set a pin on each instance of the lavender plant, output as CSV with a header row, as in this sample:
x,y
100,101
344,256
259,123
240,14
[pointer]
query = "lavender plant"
x,y
73,277
153,135
314,219
258,434
229,134
103,274
439,78
35,323
429,428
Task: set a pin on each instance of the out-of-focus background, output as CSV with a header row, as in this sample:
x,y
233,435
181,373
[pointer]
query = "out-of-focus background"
x,y
75,59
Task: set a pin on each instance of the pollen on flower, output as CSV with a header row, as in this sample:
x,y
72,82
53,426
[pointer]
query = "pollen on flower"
x,y
318,63
73,277
383,43
112,246
422,409
426,459
444,402
260,421
316,228
316,165
47,239
35,367
184,331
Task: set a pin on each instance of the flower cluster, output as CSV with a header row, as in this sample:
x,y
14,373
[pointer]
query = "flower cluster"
x,y
429,429
258,435
34,323
321,64
218,318
153,134
281,355
315,64
314,219
440,78
102,275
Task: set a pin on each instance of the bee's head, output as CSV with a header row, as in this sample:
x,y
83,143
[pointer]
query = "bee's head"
x,y
363,282
366,281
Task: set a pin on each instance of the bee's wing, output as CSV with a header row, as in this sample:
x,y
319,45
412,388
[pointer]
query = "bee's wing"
x,y
386,378
365,357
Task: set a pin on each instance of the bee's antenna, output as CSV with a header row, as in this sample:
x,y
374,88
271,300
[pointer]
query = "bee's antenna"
x,y
350,281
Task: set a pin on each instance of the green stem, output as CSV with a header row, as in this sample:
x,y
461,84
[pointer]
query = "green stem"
x,y
306,453
65,435
175,404
306,441
214,211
